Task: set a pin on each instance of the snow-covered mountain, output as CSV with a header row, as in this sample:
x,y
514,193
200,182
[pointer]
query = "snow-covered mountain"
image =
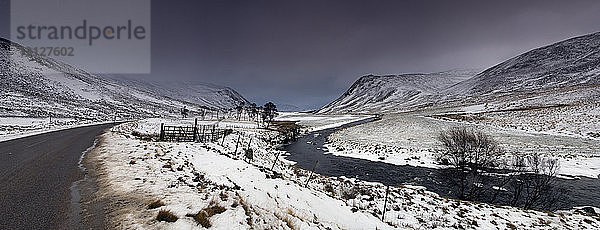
x,y
564,73
288,108
571,63
389,93
203,94
36,86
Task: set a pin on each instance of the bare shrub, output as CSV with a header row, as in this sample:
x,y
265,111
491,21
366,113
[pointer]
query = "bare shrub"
x,y
348,191
475,160
249,154
329,189
534,183
470,153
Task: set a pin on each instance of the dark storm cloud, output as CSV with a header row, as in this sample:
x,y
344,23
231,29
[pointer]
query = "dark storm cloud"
x,y
308,52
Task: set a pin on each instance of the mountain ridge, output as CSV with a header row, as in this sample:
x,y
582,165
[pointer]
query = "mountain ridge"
x,y
204,94
37,86
375,93
565,72
571,62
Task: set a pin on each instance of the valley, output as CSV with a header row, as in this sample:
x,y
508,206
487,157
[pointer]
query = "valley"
x,y
334,167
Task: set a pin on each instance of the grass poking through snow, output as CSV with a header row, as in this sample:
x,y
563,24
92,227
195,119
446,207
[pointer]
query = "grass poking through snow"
x,y
203,216
166,215
156,204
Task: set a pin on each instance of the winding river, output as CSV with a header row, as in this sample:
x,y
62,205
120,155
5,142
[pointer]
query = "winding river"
x,y
309,148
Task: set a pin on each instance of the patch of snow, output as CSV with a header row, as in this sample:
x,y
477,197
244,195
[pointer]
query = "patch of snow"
x,y
189,177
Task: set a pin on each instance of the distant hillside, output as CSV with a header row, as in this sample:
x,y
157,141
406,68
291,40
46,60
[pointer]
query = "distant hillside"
x,y
36,86
564,73
203,94
394,92
571,63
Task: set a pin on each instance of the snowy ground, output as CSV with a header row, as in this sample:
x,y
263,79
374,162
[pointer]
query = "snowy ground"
x,y
576,120
314,122
242,194
410,139
17,127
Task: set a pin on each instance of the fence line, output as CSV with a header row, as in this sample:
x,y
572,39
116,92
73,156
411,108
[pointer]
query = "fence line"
x,y
202,133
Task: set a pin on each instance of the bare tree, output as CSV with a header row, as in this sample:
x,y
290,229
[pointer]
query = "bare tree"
x,y
269,112
239,110
527,181
253,111
533,183
470,153
184,112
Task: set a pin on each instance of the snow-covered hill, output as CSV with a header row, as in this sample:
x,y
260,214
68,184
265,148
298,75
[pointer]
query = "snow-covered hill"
x,y
35,86
571,63
395,92
564,73
203,94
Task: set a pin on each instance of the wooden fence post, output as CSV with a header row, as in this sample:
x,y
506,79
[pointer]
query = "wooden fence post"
x,y
275,161
162,131
387,191
223,141
237,144
311,173
212,134
195,129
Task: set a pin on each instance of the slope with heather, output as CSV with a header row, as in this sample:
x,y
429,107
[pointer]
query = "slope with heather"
x,y
392,93
563,73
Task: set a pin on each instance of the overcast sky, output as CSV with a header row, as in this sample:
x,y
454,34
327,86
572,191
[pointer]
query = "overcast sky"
x,y
307,53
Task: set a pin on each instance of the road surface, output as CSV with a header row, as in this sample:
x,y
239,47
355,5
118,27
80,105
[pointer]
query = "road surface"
x,y
36,174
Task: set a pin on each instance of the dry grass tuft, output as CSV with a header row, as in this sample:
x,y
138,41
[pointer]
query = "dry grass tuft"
x,y
166,215
156,204
203,216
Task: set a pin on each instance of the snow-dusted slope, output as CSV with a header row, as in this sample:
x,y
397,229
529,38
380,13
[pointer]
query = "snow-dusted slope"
x,y
571,63
395,92
203,94
564,73
35,86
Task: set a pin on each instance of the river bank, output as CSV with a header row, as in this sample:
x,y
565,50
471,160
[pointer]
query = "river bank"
x,y
268,191
414,170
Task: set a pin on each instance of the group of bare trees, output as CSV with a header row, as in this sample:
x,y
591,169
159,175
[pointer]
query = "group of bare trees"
x,y
269,112
533,182
264,113
251,111
481,170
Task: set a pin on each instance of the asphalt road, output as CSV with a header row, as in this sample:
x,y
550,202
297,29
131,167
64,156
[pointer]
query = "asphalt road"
x,y
36,174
